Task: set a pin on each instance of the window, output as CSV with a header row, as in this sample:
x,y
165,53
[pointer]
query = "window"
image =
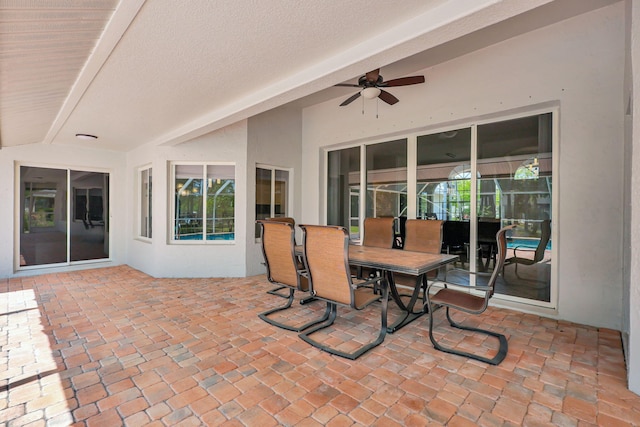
x,y
272,193
144,202
204,202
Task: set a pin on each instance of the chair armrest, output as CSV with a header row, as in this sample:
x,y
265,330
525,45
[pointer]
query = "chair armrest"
x,y
467,272
466,287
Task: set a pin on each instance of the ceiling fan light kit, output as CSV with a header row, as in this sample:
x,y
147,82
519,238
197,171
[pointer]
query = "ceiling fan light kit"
x,y
370,92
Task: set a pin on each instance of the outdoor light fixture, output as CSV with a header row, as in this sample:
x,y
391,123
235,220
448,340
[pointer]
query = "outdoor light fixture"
x,y
370,92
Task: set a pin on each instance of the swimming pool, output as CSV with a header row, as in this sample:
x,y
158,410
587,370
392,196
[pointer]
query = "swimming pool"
x,y
218,236
526,243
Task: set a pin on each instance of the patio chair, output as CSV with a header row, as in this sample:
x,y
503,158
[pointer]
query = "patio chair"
x,y
283,267
326,257
461,297
398,240
456,236
379,233
487,229
288,220
538,252
421,236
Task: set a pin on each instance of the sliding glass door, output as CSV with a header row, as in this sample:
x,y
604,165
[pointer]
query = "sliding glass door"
x,y
387,179
476,179
343,190
443,176
63,216
515,187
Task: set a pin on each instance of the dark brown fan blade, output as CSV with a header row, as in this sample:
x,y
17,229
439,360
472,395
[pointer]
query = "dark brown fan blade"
x,y
404,81
387,97
372,76
346,85
350,99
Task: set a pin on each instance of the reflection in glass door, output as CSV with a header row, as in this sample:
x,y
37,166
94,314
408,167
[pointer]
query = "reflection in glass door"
x,y
515,187
387,179
444,188
56,230
507,180
343,189
43,231
89,206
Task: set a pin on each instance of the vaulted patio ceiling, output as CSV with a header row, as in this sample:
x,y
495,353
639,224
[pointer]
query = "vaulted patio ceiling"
x,y
140,72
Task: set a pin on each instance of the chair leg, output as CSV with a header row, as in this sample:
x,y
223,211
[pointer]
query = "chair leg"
x,y
499,357
290,299
307,300
275,292
332,311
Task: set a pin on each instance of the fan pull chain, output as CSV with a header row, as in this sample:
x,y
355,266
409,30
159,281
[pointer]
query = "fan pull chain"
x,y
362,105
377,102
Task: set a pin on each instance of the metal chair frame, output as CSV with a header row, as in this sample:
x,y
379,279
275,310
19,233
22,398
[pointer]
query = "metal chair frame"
x,y
538,251
378,232
458,297
330,313
283,278
288,220
421,236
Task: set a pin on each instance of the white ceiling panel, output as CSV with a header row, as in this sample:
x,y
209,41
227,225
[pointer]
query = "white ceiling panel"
x,y
163,71
44,46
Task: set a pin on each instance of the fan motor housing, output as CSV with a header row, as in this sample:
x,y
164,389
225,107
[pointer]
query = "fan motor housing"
x,y
362,81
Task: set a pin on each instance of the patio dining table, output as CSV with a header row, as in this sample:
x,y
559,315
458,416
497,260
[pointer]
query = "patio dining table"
x,y
390,261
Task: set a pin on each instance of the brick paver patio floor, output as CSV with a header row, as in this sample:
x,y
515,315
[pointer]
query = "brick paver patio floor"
x,y
113,346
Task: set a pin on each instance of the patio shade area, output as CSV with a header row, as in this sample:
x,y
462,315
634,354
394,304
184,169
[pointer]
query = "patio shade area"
x,y
114,346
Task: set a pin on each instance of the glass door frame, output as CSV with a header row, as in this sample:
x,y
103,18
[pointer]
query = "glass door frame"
x,y
555,198
17,203
411,137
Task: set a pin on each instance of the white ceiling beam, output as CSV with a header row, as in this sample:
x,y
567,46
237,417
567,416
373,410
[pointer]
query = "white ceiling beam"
x,y
122,18
439,25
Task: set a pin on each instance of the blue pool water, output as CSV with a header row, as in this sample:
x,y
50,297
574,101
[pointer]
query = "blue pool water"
x,y
526,243
219,236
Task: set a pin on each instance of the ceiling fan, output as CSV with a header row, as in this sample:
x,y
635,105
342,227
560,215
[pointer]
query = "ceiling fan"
x,y
372,84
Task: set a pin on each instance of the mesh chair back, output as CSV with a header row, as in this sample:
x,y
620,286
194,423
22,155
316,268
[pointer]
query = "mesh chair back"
x,y
278,247
326,250
456,233
544,240
501,239
423,236
286,219
379,232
